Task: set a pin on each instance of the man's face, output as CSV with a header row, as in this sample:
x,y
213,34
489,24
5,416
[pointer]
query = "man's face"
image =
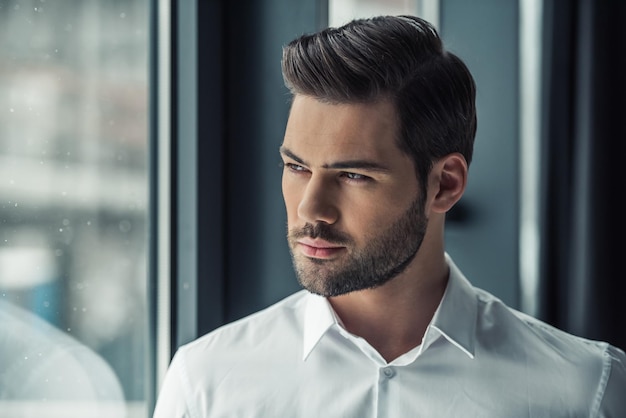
x,y
354,212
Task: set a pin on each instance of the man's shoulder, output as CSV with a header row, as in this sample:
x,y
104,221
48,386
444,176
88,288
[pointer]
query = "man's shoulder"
x,y
552,364
211,371
497,318
542,347
282,320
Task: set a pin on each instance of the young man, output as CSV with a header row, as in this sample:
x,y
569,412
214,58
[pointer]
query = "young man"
x,y
376,151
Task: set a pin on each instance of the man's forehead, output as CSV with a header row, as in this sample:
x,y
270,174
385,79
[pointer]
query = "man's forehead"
x,y
325,151
355,128
341,136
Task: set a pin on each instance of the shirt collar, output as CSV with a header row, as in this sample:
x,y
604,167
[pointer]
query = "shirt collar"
x,y
318,318
454,319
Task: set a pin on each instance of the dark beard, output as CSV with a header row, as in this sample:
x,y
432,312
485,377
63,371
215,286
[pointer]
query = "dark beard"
x,y
385,256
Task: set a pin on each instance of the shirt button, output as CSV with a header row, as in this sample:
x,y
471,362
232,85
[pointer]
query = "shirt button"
x,y
389,372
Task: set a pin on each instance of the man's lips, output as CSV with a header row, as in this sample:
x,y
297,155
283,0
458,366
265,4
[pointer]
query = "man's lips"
x,y
317,248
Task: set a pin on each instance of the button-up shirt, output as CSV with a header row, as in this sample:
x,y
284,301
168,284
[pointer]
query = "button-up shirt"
x,y
478,358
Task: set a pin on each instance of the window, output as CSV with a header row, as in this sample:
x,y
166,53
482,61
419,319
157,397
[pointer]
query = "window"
x,y
341,11
74,207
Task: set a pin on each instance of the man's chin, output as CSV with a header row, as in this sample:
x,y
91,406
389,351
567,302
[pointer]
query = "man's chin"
x,y
328,290
317,287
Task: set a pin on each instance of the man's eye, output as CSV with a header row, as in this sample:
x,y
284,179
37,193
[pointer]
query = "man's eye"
x,y
295,167
355,176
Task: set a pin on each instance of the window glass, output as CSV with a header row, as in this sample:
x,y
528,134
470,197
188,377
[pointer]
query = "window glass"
x,y
341,11
73,208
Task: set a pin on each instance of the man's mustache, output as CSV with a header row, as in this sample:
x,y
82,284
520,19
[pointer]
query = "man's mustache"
x,y
321,231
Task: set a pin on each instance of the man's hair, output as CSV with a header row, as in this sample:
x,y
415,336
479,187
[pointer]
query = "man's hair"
x,y
399,58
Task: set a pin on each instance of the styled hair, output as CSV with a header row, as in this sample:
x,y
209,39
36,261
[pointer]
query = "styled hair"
x,y
397,58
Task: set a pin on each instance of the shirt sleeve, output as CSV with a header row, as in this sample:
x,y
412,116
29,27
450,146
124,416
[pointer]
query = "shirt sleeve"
x,y
613,403
173,400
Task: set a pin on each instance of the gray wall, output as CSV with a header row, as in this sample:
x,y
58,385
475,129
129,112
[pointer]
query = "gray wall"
x,y
484,241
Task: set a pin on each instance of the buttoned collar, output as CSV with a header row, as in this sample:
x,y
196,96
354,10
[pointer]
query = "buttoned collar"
x,y
454,319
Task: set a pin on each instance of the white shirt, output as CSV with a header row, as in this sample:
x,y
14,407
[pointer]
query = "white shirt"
x,y
478,358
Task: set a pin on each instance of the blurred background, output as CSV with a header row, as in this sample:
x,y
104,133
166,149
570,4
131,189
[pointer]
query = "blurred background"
x,y
74,147
140,202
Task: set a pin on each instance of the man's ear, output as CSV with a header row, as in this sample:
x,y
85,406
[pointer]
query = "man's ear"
x,y
448,179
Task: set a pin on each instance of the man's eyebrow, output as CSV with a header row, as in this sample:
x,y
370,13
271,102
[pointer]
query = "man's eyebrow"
x,y
358,164
340,165
287,152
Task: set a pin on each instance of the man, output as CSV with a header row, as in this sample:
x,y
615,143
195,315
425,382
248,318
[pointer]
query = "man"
x,y
376,151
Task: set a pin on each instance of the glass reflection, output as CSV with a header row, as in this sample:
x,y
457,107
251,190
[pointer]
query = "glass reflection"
x,y
73,205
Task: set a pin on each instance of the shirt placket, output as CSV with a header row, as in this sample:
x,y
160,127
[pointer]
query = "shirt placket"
x,y
386,375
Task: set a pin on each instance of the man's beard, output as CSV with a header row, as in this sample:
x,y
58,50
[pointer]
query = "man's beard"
x,y
384,257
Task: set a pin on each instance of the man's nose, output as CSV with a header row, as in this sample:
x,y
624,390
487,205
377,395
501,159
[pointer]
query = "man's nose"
x,y
318,203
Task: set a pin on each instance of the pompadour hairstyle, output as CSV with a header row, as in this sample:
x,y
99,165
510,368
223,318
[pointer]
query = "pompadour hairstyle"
x,y
397,58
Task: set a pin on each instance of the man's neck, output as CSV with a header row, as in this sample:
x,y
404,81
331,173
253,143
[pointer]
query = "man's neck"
x,y
394,317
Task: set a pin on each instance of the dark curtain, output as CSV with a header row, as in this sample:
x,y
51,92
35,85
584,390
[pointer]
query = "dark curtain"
x,y
584,167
